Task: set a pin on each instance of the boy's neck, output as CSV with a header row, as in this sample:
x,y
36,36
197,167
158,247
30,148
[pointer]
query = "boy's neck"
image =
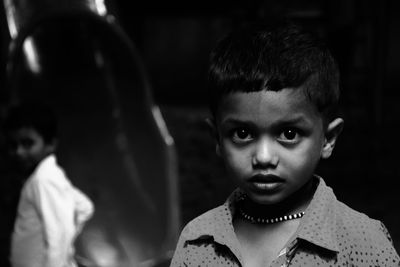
x,y
297,202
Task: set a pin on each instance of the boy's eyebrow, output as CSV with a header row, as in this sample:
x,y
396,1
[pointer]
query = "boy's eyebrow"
x,y
236,121
288,121
294,120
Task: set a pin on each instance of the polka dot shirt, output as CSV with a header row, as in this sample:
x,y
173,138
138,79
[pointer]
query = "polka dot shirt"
x,y
330,234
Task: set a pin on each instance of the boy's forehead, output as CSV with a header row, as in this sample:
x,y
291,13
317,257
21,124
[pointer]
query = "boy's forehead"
x,y
285,104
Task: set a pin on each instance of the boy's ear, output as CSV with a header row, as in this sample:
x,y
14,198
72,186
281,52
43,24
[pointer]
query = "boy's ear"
x,y
212,127
332,132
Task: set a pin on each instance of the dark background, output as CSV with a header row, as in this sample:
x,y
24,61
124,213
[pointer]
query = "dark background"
x,y
174,40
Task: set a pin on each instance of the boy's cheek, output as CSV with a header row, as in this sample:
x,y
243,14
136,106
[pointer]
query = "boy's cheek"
x,y
235,161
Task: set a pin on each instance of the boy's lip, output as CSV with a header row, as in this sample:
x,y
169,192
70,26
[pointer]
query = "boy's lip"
x,y
265,182
265,178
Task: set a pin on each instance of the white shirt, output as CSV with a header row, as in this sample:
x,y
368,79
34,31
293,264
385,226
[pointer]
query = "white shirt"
x,y
51,212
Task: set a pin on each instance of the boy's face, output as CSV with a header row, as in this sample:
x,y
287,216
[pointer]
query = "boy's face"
x,y
28,147
271,142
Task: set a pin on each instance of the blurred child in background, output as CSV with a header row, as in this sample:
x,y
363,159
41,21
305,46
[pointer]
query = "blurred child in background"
x,y
51,211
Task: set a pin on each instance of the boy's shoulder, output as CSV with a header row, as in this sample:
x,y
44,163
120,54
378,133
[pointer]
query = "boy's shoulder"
x,y
341,220
358,227
362,238
330,224
48,172
211,222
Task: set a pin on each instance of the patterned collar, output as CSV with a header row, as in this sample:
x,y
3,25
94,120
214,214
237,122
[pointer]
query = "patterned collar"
x,y
318,225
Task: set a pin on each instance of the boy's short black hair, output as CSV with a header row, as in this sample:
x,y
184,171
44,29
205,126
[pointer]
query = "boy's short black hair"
x,y
259,57
37,116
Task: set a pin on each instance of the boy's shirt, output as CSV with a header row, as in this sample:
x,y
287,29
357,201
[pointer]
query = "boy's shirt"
x,y
330,234
51,212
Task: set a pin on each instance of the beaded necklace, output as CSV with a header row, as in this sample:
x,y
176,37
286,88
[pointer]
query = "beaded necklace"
x,y
263,220
253,219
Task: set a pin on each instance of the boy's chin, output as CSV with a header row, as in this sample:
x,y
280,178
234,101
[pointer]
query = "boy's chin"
x,y
266,200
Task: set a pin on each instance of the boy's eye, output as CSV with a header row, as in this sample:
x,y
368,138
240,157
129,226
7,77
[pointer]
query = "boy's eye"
x,y
289,135
241,135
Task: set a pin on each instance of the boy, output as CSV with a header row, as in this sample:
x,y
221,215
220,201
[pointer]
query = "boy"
x,y
51,211
273,97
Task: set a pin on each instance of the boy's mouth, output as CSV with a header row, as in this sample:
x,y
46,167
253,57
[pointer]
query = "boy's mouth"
x,y
265,182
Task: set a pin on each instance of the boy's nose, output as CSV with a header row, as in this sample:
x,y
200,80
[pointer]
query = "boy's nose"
x,y
264,155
